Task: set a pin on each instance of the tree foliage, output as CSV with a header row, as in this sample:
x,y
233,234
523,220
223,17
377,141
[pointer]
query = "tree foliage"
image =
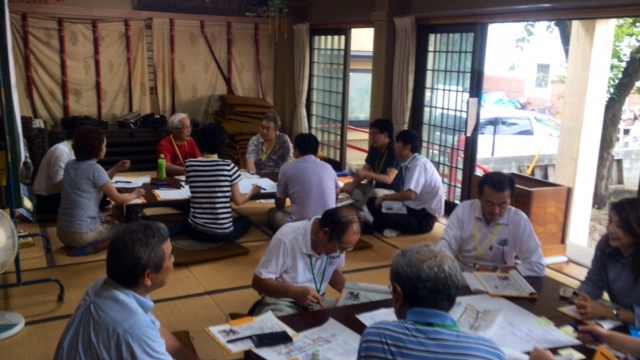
x,y
624,74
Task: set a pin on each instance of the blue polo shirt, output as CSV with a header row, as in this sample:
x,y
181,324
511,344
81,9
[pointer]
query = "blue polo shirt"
x,y
424,334
112,322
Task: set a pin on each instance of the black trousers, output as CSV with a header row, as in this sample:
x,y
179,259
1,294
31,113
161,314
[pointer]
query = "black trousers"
x,y
415,221
241,225
47,204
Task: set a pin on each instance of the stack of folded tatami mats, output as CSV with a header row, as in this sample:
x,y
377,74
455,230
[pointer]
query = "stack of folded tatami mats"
x,y
240,116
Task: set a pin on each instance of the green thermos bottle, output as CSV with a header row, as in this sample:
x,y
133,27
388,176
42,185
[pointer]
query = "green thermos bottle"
x,y
162,167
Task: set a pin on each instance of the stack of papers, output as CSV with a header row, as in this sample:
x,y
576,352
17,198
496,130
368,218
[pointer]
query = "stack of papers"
x,y
130,182
172,194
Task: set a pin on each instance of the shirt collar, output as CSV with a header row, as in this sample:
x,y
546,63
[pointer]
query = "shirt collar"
x,y
144,302
410,160
429,315
306,244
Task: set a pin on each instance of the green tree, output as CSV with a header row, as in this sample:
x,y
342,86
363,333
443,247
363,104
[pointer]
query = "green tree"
x,y
624,73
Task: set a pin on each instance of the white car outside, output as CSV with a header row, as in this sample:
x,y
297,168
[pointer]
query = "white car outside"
x,y
516,133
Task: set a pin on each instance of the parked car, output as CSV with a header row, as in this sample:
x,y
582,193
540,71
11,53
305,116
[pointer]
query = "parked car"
x,y
516,133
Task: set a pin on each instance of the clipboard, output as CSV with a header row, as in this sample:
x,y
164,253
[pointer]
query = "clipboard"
x,y
236,335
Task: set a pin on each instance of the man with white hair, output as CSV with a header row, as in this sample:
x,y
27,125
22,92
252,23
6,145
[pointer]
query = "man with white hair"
x,y
179,146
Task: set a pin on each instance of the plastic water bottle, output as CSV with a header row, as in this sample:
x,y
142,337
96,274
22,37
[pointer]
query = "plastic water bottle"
x,y
162,167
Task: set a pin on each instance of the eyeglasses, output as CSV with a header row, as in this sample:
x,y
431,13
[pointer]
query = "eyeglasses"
x,y
342,250
185,129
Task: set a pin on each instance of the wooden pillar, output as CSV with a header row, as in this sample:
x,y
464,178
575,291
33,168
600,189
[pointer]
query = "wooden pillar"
x,y
384,45
582,115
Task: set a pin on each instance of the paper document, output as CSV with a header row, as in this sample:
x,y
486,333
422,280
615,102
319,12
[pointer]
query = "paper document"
x,y
267,185
394,207
172,194
500,284
572,311
182,178
473,319
139,200
249,175
334,340
371,317
356,293
512,327
265,323
130,182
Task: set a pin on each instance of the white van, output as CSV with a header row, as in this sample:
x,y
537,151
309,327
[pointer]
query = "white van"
x,y
504,132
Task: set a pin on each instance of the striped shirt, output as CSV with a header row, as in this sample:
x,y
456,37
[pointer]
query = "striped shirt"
x,y
424,334
210,182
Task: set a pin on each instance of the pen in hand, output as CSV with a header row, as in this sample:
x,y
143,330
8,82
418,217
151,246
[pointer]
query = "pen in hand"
x,y
593,337
263,189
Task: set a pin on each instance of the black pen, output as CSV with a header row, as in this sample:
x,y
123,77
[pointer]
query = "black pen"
x,y
122,182
260,187
240,339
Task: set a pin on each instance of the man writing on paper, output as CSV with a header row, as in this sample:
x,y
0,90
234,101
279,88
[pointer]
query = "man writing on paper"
x,y
421,194
114,319
488,232
178,147
424,286
309,182
302,259
380,167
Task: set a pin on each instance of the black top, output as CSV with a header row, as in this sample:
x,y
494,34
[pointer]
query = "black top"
x,y
381,161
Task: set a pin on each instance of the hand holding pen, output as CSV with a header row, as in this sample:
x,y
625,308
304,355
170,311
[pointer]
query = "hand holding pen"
x,y
589,334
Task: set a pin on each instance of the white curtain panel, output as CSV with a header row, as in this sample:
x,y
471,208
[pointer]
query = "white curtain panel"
x,y
301,76
403,70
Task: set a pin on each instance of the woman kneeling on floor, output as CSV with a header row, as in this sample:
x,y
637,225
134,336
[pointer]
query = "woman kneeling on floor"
x,y
80,225
213,182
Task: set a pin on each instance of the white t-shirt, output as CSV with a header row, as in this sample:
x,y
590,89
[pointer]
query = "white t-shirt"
x,y
419,174
515,237
51,169
290,260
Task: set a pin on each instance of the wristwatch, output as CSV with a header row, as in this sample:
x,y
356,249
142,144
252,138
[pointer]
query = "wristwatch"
x,y
616,313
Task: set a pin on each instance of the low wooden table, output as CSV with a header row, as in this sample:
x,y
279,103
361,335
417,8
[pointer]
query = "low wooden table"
x,y
545,305
129,212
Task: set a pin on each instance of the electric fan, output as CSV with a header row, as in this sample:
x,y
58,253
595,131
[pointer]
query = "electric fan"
x,y
10,323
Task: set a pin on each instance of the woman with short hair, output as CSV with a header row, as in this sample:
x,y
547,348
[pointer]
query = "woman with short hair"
x,y
80,225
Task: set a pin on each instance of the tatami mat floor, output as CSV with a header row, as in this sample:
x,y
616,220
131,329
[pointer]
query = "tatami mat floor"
x,y
196,296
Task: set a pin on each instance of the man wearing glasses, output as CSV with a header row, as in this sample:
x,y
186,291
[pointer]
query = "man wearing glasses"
x,y
380,167
270,149
488,232
179,146
302,259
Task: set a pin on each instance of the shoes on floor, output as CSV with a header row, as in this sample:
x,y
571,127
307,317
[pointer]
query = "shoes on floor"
x,y
390,233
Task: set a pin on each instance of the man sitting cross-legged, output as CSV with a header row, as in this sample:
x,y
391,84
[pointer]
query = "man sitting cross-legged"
x,y
424,283
380,168
421,194
114,319
309,182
